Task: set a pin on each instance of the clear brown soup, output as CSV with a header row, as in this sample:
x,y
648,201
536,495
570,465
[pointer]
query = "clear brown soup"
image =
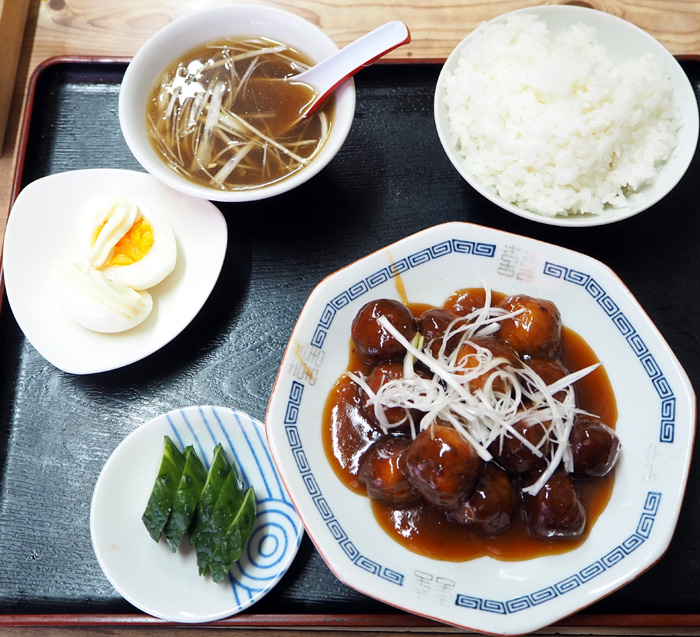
x,y
222,116
426,530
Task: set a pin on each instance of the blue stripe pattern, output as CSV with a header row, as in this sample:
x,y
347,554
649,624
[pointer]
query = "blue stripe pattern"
x,y
278,529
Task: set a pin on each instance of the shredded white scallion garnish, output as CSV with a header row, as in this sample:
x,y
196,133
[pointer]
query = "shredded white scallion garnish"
x,y
505,394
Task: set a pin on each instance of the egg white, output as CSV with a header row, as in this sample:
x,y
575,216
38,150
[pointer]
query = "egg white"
x,y
97,303
104,226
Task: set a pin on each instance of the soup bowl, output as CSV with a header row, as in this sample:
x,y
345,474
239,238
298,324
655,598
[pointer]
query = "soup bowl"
x,y
655,424
239,21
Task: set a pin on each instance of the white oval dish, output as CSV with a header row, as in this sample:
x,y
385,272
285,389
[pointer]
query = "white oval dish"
x,y
200,27
656,425
43,230
165,584
623,41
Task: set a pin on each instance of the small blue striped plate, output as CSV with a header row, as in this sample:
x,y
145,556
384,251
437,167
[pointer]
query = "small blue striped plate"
x,y
165,584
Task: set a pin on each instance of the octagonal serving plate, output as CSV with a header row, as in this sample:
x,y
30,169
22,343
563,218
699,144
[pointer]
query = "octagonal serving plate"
x,y
656,425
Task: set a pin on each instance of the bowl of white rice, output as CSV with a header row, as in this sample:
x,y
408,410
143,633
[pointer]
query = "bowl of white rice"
x,y
566,115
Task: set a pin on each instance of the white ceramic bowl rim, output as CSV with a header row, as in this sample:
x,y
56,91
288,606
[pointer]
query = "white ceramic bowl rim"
x,y
625,41
200,27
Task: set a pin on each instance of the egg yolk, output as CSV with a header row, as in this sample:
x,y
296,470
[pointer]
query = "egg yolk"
x,y
134,245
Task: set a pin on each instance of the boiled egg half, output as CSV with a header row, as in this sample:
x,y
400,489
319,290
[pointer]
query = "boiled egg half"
x,y
129,247
96,302
125,252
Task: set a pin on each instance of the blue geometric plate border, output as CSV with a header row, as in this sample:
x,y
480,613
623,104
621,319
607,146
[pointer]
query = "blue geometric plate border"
x,y
571,582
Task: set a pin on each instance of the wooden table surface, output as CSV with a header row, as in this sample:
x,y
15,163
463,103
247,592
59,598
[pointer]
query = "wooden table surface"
x,y
118,28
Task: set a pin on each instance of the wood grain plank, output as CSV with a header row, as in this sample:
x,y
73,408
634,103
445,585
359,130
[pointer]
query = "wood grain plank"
x,y
13,15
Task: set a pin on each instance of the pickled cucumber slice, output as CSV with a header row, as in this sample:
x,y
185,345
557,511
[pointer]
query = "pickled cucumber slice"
x,y
227,505
235,538
213,506
218,471
162,497
191,484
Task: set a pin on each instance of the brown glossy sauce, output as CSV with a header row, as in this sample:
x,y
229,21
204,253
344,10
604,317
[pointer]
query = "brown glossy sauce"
x,y
425,530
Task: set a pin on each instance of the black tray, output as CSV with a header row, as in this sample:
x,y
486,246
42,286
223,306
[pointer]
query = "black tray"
x,y
390,180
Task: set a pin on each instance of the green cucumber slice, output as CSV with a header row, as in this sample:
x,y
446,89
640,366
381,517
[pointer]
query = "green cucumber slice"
x,y
235,538
227,505
218,471
188,492
162,497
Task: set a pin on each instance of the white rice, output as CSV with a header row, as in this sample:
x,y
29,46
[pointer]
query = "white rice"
x,y
552,124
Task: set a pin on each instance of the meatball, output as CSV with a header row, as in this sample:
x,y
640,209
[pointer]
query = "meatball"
x,y
467,359
492,507
556,512
371,340
432,324
464,302
442,466
515,456
536,331
381,474
594,448
550,370
381,374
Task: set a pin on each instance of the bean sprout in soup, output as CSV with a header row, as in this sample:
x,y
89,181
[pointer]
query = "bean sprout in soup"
x,y
222,116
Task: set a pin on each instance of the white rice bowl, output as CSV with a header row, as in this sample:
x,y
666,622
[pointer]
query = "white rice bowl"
x,y
541,112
